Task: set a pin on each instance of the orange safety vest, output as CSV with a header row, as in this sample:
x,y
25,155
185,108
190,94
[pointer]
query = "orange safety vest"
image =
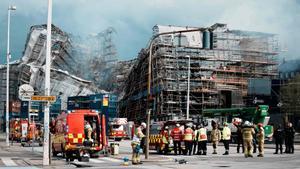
x,y
188,134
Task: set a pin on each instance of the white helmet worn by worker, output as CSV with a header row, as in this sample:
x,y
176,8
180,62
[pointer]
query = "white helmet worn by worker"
x,y
166,127
177,125
247,123
143,125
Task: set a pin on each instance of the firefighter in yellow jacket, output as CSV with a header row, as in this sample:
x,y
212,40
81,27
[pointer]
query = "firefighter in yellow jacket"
x,y
188,137
136,144
202,140
247,132
226,136
260,139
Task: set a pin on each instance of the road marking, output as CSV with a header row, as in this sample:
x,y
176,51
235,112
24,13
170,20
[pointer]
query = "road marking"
x,y
96,160
8,161
111,159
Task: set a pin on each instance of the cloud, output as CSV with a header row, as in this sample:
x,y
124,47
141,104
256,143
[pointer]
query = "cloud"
x,y
134,19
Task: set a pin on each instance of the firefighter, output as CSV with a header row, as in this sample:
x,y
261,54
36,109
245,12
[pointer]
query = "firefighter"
x,y
248,132
176,135
136,144
165,140
289,135
278,136
202,140
195,141
260,140
188,137
88,130
226,135
215,136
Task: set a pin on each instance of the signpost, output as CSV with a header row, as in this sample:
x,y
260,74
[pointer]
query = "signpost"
x,y
43,98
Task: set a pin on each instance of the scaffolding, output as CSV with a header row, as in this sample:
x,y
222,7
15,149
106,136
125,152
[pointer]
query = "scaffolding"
x,y
221,63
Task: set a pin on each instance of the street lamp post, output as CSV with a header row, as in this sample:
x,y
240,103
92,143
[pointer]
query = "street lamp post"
x,y
10,8
188,89
46,153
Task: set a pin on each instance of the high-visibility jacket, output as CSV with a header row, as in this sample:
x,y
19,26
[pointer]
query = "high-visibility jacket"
x,y
165,136
248,133
138,135
226,133
202,134
176,134
188,134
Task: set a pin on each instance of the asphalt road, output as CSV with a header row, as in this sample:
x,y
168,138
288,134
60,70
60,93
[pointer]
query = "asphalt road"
x,y
19,157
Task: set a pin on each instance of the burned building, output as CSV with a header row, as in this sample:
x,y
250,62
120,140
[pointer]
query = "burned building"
x,y
222,64
29,69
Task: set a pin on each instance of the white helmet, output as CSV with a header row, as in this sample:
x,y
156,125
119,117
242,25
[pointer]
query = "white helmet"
x,y
143,125
177,125
247,123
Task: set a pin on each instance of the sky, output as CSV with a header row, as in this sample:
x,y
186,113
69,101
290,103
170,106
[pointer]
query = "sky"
x,y
133,20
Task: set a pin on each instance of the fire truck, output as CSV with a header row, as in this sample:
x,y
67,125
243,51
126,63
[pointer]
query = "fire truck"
x,y
72,139
117,129
156,129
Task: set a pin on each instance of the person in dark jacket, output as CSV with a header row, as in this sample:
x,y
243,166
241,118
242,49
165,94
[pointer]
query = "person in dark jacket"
x,y
239,139
254,139
278,137
289,137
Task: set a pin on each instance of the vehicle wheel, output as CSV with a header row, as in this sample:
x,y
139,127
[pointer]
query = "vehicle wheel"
x,y
54,153
158,150
79,155
67,157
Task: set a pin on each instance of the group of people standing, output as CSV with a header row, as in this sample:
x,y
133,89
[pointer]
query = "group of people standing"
x,y
248,136
195,139
284,135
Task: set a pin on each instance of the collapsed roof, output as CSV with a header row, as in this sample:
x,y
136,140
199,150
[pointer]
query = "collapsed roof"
x,y
64,82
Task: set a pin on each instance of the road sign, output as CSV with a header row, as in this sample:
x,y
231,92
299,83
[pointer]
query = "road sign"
x,y
43,98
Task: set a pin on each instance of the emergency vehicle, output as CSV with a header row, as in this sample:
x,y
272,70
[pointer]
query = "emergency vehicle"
x,y
15,130
70,137
31,132
156,131
117,129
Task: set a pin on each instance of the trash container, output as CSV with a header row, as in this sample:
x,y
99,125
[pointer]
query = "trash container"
x,y
114,148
